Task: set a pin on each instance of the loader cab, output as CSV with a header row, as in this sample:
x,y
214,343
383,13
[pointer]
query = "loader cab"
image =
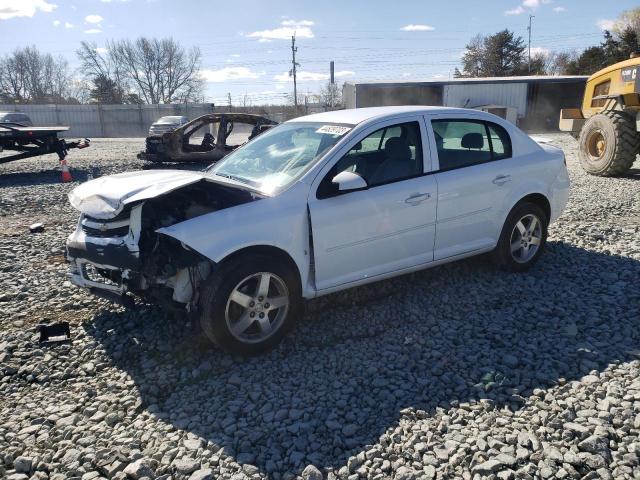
x,y
618,83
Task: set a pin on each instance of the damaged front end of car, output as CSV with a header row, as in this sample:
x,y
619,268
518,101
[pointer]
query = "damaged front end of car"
x,y
116,251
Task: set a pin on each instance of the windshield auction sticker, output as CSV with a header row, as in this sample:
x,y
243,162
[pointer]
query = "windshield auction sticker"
x,y
333,129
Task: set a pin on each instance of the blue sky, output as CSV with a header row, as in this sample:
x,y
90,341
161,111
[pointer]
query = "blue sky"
x,y
246,43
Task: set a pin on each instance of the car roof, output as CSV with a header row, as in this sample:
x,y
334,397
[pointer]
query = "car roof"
x,y
355,116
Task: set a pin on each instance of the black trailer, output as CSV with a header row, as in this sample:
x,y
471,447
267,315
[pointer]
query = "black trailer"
x,y
34,141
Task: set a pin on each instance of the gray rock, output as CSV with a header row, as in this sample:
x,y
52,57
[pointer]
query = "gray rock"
x,y
404,473
22,464
139,469
202,474
311,473
186,466
488,467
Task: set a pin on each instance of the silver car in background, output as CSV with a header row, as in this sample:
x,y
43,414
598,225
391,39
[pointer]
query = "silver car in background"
x,y
16,117
167,124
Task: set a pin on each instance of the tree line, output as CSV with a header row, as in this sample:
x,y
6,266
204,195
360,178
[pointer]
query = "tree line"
x,y
146,70
505,54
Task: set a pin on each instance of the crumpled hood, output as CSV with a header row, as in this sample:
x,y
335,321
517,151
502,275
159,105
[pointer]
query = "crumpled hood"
x,y
105,197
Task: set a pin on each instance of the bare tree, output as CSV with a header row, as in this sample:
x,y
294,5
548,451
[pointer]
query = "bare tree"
x,y
331,96
29,76
161,71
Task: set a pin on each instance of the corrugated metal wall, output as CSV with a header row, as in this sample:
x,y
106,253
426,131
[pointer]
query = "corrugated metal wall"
x,y
93,121
380,95
474,95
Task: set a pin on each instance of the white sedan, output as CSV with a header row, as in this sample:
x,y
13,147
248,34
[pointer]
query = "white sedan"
x,y
315,205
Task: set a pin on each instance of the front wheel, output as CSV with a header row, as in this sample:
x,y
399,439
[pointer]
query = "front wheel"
x,y
523,238
250,304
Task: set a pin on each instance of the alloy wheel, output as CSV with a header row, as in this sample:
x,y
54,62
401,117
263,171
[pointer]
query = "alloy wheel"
x,y
526,238
257,307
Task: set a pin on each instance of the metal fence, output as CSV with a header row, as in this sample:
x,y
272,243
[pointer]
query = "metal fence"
x,y
92,121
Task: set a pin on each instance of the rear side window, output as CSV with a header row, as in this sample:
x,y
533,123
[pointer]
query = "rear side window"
x,y
462,143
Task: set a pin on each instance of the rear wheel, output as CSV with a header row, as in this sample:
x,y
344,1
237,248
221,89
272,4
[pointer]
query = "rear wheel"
x,y
523,238
608,143
250,304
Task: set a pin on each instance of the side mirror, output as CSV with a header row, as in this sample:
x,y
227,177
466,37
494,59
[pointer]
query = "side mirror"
x,y
348,181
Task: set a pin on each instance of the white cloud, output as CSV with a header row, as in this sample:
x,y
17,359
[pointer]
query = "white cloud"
x,y
438,76
605,24
56,23
235,55
301,29
93,19
68,25
515,11
229,73
417,28
101,50
24,8
527,6
304,76
264,40
282,33
109,1
534,3
559,9
92,31
297,23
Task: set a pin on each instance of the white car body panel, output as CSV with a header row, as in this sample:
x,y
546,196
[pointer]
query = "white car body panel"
x,y
105,197
279,222
359,236
393,223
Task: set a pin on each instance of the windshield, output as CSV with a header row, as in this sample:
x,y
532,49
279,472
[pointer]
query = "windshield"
x,y
168,120
280,155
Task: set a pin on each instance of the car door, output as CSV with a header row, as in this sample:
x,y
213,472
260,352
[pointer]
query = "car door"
x,y
474,171
388,226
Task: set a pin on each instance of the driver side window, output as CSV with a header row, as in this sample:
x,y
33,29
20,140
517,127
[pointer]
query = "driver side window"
x,y
387,155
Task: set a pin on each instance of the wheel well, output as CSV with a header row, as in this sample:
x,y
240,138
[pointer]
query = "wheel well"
x,y
268,250
541,201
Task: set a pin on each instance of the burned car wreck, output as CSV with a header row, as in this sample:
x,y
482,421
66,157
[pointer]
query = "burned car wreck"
x,y
205,139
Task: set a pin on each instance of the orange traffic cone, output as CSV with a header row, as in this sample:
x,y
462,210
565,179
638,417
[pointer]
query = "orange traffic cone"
x,y
66,174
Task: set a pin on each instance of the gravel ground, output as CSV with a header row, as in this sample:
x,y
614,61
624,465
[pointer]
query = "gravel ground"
x,y
456,372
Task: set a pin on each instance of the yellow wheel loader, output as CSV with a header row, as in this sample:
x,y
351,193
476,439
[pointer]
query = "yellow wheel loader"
x,y
608,124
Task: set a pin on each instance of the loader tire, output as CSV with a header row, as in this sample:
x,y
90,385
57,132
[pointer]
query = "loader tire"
x,y
609,144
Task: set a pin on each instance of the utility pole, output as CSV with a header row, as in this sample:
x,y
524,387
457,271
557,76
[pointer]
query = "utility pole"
x,y
332,83
292,72
529,29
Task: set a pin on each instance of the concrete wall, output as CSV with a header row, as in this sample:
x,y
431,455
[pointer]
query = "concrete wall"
x,y
93,121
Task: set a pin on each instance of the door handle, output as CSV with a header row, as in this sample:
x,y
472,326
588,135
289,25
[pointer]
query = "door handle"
x,y
502,179
416,198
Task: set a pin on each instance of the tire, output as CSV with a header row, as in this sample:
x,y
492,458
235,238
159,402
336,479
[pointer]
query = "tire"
x,y
608,143
512,236
248,324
